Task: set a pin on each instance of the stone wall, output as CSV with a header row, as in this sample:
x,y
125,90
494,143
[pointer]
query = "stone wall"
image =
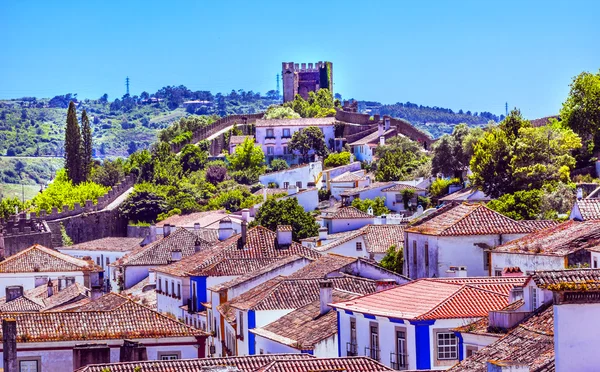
x,y
22,234
89,226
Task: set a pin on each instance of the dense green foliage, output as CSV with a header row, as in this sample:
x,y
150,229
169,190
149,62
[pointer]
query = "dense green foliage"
x,y
108,173
318,105
520,205
377,205
280,112
63,192
86,146
307,139
440,186
8,206
247,162
192,158
182,129
73,149
287,212
336,159
398,159
452,152
515,156
393,260
278,164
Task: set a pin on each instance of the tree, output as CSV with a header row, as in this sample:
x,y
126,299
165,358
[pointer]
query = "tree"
x,y
278,164
515,156
216,174
192,158
109,173
307,139
377,205
86,146
393,260
520,205
452,152
143,206
398,159
337,159
274,213
318,105
73,159
247,157
131,148
279,112
581,110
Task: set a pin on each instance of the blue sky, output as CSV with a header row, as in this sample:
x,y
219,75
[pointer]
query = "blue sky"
x,y
470,55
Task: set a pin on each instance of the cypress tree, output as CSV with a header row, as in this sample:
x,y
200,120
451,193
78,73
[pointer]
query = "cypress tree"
x,y
86,149
73,146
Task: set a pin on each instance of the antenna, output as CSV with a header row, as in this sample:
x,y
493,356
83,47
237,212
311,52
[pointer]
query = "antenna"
x,y
127,84
506,108
277,85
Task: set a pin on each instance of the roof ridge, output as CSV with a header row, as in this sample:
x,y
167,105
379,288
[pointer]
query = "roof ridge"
x,y
458,291
463,217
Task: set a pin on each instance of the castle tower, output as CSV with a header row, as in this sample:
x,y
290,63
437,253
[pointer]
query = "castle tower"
x,y
305,78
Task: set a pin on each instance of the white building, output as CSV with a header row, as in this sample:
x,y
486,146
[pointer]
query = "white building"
x,y
200,220
394,197
470,194
331,173
364,148
235,141
586,209
411,326
103,251
369,191
274,134
457,240
62,341
302,176
348,181
345,219
36,265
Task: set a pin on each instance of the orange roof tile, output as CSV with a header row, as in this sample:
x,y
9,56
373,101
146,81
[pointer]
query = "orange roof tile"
x,y
38,258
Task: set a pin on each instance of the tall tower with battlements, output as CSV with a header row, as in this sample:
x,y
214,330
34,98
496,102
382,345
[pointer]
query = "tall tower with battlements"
x,y
302,78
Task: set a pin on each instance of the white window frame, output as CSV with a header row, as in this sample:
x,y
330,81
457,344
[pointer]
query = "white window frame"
x,y
446,346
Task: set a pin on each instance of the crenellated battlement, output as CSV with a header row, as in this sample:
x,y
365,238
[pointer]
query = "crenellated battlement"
x,y
302,67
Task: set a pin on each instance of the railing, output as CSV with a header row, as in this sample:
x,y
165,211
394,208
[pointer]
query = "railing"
x,y
351,349
399,361
372,353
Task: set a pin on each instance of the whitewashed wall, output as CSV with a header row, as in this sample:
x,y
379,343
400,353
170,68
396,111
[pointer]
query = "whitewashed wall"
x,y
27,280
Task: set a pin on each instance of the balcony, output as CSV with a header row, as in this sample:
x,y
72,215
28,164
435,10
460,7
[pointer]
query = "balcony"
x,y
399,362
372,353
351,349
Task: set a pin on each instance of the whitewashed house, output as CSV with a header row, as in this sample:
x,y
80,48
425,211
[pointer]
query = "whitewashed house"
x,y
331,173
103,251
458,240
585,210
370,191
235,141
200,220
345,219
303,176
394,197
411,326
469,194
364,148
348,181
274,134
308,199
569,244
36,265
99,331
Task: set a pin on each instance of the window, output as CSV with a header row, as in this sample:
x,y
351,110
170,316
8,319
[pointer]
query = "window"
x,y
286,133
447,346
98,261
351,347
173,288
270,134
269,150
471,350
285,150
498,272
169,355
426,253
486,260
159,285
241,322
107,261
299,184
595,262
178,290
399,198
286,185
414,252
358,246
29,365
400,360
534,298
374,350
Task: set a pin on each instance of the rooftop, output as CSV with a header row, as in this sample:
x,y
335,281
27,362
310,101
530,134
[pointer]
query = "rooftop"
x,y
326,264
346,364
428,299
302,122
205,219
378,238
373,185
373,138
481,326
349,177
468,219
110,317
589,208
573,279
236,140
38,258
111,244
143,293
558,240
399,187
347,213
531,342
468,194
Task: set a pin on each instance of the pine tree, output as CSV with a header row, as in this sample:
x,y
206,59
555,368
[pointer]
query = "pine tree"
x,y
73,146
86,149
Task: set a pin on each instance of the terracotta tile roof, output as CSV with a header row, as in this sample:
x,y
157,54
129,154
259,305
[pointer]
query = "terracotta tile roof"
x,y
358,190
271,191
21,304
469,219
399,187
107,244
573,279
279,263
303,328
347,213
229,258
500,284
205,219
348,177
531,343
373,138
159,252
110,317
428,299
38,258
283,293
537,225
346,364
481,326
465,195
248,363
303,122
378,238
326,264
236,140
589,208
559,240
143,293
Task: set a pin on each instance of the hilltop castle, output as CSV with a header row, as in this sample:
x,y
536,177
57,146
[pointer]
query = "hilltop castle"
x,y
300,79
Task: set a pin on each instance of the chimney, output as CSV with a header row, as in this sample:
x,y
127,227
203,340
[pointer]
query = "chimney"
x,y
370,210
197,226
322,233
50,288
380,129
9,344
176,255
197,245
265,194
579,193
151,237
60,280
245,215
292,190
383,284
225,228
13,292
387,123
132,351
512,271
382,141
506,366
325,295
166,230
284,236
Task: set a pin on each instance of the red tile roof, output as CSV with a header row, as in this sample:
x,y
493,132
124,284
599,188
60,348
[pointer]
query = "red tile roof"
x,y
303,122
347,213
38,258
428,299
559,240
143,293
373,138
248,363
399,187
347,364
378,238
531,343
110,317
573,279
500,284
326,264
348,177
203,218
465,195
111,244
469,219
358,190
589,208
481,326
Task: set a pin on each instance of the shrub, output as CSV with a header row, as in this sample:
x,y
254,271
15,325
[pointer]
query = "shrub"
x,y
279,164
324,194
440,186
337,159
216,174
